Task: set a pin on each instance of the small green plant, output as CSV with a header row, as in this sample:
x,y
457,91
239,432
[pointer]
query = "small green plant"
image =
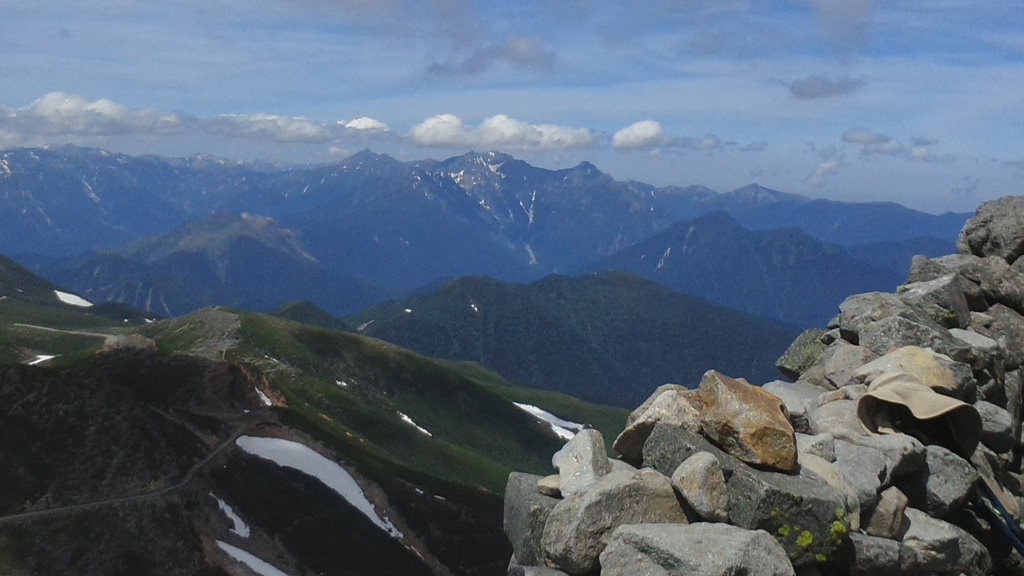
x,y
784,531
805,539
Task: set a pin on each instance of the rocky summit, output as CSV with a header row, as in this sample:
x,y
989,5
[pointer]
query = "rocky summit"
x,y
895,448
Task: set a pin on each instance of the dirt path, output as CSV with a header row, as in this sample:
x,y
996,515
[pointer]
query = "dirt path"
x,y
189,476
108,339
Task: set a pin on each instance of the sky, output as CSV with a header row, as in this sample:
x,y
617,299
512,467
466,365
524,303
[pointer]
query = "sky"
x,y
915,101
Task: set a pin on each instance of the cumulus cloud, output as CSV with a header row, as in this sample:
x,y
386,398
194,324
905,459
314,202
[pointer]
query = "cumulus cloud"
x,y
366,125
642,134
59,113
61,118
518,53
822,172
819,86
873,143
448,130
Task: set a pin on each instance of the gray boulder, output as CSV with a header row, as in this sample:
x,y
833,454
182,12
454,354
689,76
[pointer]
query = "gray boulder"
x,y
1006,325
837,418
696,550
859,310
997,229
669,446
671,406
578,528
842,360
654,396
996,427
943,485
992,278
801,354
799,397
812,466
701,483
806,516
873,556
581,461
896,332
526,511
943,547
903,454
942,299
864,469
820,445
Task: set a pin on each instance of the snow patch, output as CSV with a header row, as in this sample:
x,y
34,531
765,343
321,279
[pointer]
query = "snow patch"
x,y
72,299
255,564
533,257
408,310
475,308
263,397
305,459
408,420
364,326
40,358
239,527
664,257
341,383
563,428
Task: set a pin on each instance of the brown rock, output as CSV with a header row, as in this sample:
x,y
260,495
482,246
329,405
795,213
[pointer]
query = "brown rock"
x,y
747,422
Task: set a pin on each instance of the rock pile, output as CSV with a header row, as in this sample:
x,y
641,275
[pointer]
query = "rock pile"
x,y
895,450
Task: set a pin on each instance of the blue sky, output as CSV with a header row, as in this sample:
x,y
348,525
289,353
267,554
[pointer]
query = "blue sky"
x,y
916,101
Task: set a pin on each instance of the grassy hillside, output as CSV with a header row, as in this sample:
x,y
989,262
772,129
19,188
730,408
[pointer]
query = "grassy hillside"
x,y
608,338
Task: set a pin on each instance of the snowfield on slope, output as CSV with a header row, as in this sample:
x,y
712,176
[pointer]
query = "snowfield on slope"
x,y
305,459
564,428
72,299
239,526
255,564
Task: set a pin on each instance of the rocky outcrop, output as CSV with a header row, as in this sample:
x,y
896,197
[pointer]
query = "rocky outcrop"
x,y
897,450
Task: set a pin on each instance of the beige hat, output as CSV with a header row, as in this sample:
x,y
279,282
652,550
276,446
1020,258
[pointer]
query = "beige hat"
x,y
940,419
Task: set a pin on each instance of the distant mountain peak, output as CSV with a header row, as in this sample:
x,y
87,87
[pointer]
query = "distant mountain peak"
x,y
757,195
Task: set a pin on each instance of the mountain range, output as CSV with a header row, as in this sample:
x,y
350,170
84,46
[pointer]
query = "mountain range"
x,y
377,228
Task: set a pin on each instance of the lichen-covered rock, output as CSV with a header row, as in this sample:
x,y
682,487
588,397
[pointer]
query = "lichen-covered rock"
x,y
997,229
888,334
581,461
747,422
806,516
701,549
579,526
859,310
526,512
811,465
801,354
671,406
701,483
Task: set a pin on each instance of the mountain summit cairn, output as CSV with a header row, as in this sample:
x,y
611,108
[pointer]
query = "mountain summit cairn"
x,y
895,450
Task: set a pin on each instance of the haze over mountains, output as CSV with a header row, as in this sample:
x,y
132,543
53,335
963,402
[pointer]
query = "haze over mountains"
x,y
372,227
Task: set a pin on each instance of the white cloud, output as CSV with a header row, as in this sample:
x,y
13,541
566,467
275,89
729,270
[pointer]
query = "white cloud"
x,y
59,113
920,154
448,130
366,125
822,172
440,130
642,134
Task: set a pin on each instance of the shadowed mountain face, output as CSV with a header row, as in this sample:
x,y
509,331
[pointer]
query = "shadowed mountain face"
x,y
781,274
124,450
609,338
